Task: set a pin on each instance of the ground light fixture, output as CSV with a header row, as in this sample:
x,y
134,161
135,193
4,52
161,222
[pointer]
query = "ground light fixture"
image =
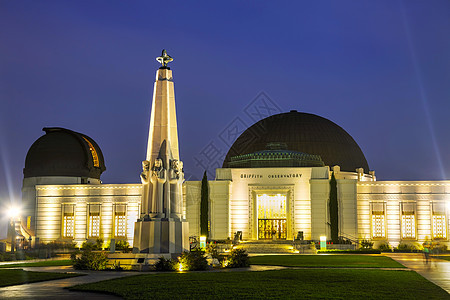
x,y
203,242
323,242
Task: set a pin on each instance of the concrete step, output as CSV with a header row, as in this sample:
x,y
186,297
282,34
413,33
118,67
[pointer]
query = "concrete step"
x,y
267,247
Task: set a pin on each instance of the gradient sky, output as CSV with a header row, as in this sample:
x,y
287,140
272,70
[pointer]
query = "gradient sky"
x,y
379,69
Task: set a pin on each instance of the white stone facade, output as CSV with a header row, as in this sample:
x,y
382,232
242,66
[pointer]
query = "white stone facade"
x,y
404,211
118,210
391,212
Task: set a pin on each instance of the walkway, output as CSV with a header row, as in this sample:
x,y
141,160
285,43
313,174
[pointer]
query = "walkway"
x,y
55,289
436,271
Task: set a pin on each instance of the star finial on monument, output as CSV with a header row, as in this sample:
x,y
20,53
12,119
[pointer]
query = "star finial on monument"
x,y
164,59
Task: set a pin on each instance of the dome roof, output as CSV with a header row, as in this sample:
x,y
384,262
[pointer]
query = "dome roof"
x,y
63,152
301,132
275,156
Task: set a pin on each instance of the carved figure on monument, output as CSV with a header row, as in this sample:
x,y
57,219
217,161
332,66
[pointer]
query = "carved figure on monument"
x,y
176,168
146,186
176,179
145,172
158,179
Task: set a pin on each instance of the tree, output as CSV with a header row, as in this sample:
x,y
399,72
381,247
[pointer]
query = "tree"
x,y
334,210
204,228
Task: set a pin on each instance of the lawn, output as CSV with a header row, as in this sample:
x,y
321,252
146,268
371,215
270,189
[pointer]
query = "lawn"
x,y
444,257
330,261
48,263
18,276
279,284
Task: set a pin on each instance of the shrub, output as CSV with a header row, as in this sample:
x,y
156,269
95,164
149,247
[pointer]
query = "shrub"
x,y
123,246
164,264
187,261
91,246
238,258
385,247
89,260
211,249
439,248
406,247
366,244
192,261
7,256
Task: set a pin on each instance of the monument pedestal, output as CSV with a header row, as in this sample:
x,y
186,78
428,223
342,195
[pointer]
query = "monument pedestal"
x,y
161,236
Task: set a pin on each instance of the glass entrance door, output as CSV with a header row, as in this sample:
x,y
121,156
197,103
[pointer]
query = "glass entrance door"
x,y
271,229
271,216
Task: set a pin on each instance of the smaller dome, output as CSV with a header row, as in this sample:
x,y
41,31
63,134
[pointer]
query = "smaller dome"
x,y
63,152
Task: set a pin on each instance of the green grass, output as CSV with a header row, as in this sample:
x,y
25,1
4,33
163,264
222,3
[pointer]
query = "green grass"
x,y
280,284
444,257
49,263
17,276
326,261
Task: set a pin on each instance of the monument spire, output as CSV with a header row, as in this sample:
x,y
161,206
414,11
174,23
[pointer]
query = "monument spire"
x,y
161,228
163,119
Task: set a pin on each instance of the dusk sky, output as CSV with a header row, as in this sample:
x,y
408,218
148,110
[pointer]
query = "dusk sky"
x,y
379,69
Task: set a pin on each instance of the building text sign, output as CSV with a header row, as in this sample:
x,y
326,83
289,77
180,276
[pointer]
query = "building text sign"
x,y
270,176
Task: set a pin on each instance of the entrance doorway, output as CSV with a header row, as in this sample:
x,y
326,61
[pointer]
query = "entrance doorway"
x,y
271,216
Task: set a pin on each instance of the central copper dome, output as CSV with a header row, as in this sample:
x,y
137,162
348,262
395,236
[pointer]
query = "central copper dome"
x,y
301,132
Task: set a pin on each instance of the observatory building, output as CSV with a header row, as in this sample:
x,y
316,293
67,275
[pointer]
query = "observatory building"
x,y
276,182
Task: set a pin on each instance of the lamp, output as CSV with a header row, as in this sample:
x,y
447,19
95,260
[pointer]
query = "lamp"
x,y
13,213
203,242
323,242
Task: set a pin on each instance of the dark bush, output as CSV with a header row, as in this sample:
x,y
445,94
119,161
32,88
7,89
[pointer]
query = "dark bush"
x,y
89,260
238,259
192,261
406,247
123,246
385,247
366,244
211,249
92,246
164,264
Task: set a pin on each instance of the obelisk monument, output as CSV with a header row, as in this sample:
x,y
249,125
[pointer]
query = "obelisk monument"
x,y
161,228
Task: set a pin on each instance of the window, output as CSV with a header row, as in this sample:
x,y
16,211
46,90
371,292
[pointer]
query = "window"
x,y
120,221
29,222
439,228
93,153
94,220
408,220
68,220
271,206
378,220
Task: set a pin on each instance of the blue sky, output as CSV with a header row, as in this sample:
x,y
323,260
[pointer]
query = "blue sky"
x,y
379,69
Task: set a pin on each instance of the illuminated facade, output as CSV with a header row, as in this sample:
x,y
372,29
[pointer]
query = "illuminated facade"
x,y
266,204
76,213
274,184
269,188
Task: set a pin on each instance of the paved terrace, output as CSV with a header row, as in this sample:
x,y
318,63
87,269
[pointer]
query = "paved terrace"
x,y
436,270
